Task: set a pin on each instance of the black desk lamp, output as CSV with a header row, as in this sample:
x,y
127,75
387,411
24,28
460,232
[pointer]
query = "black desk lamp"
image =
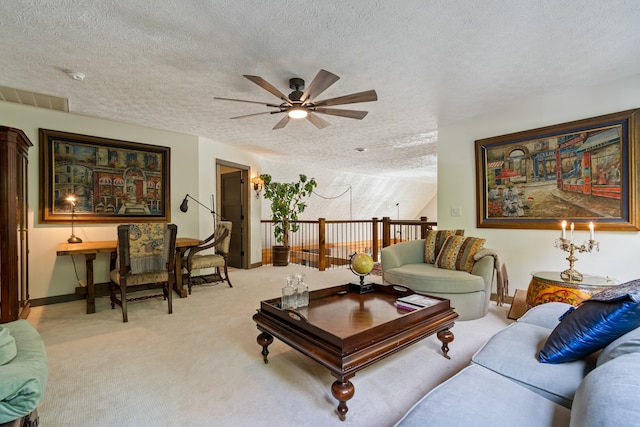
x,y
72,200
184,207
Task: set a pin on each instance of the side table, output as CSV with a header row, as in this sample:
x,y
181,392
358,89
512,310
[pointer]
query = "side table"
x,y
548,286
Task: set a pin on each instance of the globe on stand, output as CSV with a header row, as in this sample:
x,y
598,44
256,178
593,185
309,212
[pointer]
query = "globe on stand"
x,y
361,265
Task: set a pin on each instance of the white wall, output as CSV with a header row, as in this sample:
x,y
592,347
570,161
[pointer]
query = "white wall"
x,y
370,196
192,171
525,251
430,210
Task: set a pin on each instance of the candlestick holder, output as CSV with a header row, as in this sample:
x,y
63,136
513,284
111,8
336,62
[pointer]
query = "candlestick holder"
x,y
571,274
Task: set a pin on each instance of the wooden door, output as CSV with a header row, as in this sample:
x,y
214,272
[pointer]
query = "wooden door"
x,y
233,210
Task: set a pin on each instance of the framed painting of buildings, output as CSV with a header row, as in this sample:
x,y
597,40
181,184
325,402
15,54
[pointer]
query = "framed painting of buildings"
x,y
111,180
583,171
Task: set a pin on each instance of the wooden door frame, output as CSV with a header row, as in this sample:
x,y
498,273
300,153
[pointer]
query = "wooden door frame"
x,y
246,235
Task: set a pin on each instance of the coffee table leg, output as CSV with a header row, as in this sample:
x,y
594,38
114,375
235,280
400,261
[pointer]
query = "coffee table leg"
x,y
343,391
264,339
446,336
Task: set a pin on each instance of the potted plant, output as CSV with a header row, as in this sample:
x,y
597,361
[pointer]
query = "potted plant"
x,y
286,204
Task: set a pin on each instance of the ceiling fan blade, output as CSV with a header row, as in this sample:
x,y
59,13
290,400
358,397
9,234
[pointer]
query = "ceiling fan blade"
x,y
268,87
320,83
350,114
243,100
282,123
254,114
366,96
317,121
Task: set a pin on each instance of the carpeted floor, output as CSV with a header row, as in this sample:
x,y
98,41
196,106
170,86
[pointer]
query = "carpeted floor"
x,y
201,365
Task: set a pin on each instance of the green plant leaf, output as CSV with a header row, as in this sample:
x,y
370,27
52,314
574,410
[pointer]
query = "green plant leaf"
x,y
286,203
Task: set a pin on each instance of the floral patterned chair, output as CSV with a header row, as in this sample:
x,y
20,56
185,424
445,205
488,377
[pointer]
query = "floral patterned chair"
x,y
146,255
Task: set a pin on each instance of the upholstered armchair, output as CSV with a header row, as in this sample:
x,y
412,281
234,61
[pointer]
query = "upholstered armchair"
x,y
197,260
146,255
467,286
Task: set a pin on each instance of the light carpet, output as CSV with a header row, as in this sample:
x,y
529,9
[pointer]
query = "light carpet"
x,y
201,365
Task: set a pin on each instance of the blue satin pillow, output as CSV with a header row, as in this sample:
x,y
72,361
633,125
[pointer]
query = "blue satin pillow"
x,y
599,321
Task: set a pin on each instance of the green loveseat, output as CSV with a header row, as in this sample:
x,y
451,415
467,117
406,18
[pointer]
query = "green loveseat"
x,y
469,293
24,371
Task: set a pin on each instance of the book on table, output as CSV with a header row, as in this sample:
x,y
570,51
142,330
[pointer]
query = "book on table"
x,y
415,301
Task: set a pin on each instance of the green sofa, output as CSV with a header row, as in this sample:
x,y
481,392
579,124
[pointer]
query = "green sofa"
x,y
469,293
24,371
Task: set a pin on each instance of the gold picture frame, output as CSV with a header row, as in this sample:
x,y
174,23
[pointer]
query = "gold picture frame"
x,y
113,181
581,171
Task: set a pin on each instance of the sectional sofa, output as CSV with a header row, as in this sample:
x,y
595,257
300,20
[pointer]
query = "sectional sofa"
x,y
555,366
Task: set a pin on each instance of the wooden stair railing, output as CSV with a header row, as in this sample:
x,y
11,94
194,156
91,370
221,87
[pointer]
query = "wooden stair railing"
x,y
318,251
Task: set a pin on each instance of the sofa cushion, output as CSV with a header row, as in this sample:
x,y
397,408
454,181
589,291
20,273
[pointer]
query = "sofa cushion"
x,y
7,346
434,241
546,315
24,379
597,322
457,253
608,396
428,278
461,402
628,343
513,351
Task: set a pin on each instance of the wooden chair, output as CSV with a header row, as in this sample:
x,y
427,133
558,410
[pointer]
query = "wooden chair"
x,y
146,255
219,240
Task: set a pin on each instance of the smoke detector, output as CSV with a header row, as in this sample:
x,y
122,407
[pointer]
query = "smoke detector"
x,y
76,75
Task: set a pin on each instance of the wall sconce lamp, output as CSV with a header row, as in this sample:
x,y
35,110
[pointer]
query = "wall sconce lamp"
x,y
72,201
258,183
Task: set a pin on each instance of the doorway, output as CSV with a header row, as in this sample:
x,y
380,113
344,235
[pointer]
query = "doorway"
x,y
233,207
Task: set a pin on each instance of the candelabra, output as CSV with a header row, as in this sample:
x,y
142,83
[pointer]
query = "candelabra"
x,y
567,245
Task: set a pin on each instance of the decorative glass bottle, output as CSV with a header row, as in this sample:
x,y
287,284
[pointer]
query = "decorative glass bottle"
x,y
289,296
302,291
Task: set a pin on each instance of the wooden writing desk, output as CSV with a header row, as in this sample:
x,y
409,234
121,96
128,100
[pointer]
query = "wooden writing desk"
x,y
91,249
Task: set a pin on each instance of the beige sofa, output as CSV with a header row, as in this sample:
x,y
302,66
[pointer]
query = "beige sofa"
x,y
469,293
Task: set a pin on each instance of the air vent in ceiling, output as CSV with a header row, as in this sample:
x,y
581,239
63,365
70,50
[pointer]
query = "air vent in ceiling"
x,y
34,99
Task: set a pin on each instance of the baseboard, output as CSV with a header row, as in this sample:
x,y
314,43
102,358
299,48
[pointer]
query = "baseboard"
x,y
101,290
56,299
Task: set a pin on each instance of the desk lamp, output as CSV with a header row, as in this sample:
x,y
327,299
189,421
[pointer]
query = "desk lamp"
x,y
72,200
184,207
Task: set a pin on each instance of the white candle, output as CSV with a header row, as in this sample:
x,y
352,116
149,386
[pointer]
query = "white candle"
x,y
591,231
572,227
564,227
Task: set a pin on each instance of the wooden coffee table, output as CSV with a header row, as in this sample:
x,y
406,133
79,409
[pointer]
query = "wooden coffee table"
x,y
346,331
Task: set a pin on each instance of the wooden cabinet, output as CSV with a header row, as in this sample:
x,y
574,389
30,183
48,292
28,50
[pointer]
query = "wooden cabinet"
x,y
14,249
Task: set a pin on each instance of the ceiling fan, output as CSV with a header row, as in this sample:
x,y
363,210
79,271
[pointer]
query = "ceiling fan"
x,y
300,105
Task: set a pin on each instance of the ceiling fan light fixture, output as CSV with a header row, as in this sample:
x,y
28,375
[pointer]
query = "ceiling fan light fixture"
x,y
298,113
300,105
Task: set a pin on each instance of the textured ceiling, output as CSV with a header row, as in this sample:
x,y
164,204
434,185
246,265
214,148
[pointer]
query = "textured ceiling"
x,y
160,63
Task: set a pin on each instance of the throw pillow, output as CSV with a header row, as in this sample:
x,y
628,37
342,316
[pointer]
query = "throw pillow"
x,y
457,253
434,241
7,346
595,324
